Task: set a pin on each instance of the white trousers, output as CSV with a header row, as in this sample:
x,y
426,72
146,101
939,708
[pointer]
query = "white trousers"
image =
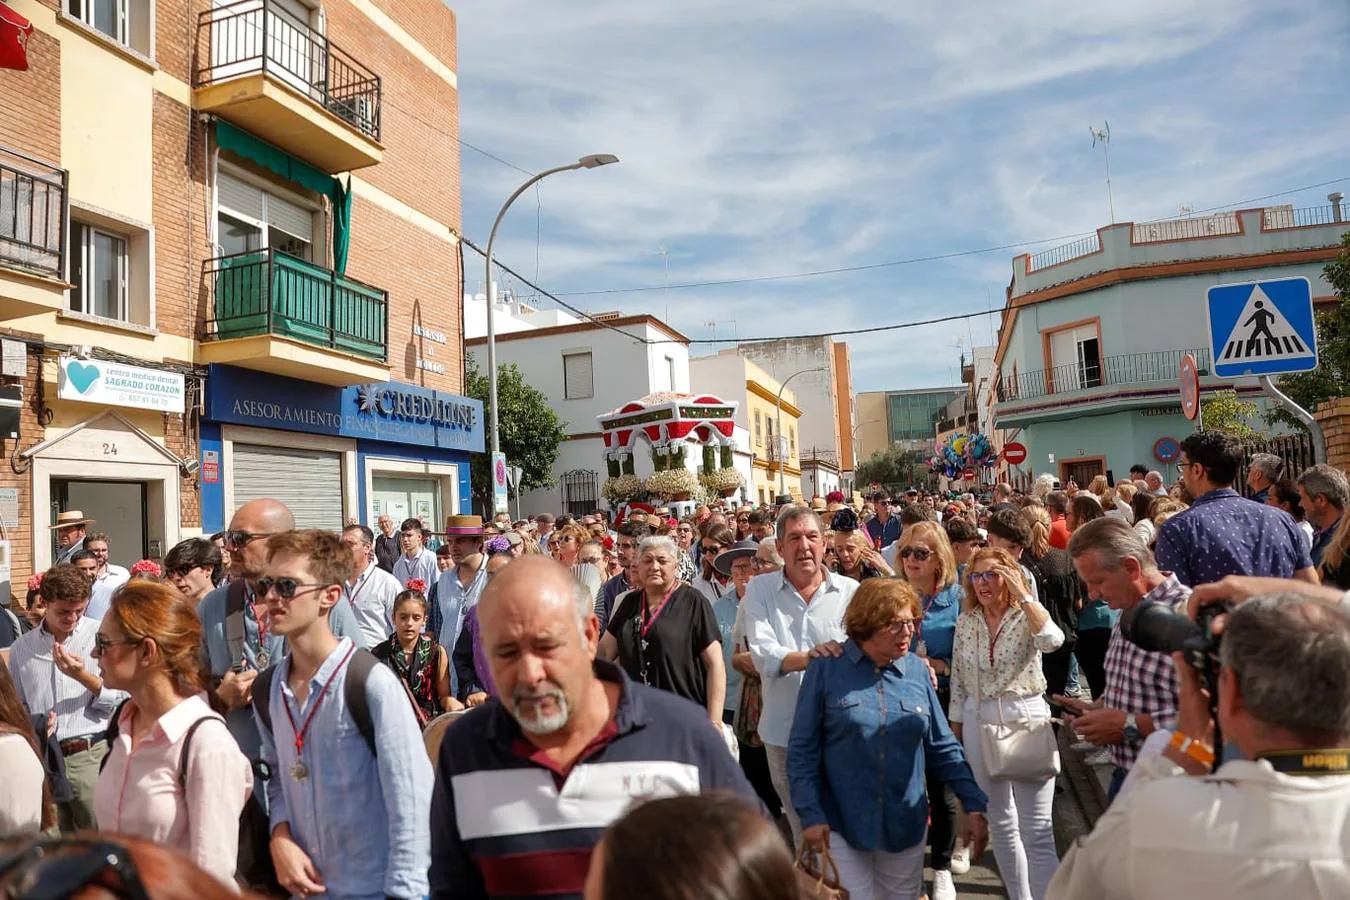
x,y
877,875
1020,825
778,775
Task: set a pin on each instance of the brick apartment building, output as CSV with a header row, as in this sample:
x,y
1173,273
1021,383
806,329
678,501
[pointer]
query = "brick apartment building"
x,y
229,268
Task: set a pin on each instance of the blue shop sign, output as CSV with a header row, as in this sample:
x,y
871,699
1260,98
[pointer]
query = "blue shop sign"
x,y
398,413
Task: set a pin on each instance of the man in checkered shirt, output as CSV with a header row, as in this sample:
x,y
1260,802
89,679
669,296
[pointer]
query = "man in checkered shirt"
x,y
1141,687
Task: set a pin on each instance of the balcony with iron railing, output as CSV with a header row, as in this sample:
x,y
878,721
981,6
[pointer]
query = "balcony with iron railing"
x,y
33,214
277,313
261,68
1109,372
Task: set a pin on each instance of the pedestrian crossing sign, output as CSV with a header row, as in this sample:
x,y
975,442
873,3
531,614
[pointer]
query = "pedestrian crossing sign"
x,y
1262,328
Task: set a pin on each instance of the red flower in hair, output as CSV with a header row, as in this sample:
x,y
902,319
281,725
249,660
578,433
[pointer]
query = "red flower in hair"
x,y
609,543
35,581
146,567
417,584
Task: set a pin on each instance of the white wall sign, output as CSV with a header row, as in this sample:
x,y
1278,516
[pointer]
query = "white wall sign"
x,y
113,384
429,334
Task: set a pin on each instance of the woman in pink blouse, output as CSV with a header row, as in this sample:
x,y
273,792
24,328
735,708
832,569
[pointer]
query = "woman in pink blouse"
x,y
147,645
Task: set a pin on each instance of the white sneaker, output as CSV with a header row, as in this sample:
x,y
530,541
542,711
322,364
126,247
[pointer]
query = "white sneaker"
x,y
960,859
943,888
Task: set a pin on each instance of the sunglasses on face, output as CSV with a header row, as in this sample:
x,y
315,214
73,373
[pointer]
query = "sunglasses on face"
x,y
101,643
982,577
180,571
238,539
715,548
286,588
919,553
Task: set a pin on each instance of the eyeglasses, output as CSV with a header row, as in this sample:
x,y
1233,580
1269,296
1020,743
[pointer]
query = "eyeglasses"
x,y
238,539
1183,466
982,577
902,625
919,553
715,548
53,868
101,644
181,571
286,588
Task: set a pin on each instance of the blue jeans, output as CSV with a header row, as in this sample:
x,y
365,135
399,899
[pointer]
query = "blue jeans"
x,y
1117,779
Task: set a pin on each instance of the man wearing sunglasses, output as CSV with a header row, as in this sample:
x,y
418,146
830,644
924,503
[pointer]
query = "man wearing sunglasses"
x,y
327,785
55,676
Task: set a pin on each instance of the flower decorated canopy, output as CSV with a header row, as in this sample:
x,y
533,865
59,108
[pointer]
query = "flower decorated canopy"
x,y
665,419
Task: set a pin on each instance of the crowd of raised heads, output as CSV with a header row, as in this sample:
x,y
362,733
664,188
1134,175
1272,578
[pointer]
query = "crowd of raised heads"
x,y
412,709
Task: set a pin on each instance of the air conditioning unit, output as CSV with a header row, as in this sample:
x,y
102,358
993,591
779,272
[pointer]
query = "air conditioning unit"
x,y
357,111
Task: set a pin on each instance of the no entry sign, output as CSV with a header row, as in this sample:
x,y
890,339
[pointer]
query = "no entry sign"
x,y
1014,453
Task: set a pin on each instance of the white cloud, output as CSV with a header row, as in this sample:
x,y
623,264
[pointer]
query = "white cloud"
x,y
767,137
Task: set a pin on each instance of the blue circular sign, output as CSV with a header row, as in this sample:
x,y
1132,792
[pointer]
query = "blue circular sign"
x,y
1166,449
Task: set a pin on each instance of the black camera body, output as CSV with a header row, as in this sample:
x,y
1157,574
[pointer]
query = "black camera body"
x,y
1157,627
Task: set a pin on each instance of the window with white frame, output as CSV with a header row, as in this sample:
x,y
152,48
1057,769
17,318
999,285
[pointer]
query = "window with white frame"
x,y
99,271
125,21
250,217
670,373
578,376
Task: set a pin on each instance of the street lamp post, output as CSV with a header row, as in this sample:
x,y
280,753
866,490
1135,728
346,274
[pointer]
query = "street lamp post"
x,y
778,402
586,162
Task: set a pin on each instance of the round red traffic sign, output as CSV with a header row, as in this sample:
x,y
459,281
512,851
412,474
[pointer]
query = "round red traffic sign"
x,y
969,474
1014,453
1190,387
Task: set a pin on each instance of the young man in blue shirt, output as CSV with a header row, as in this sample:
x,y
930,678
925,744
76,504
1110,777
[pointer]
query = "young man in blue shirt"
x,y
349,819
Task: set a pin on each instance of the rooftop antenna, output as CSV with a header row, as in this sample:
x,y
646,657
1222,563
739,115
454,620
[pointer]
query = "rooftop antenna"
x,y
1185,210
1103,136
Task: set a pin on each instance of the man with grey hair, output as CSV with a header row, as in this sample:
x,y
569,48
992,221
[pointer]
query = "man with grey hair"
x,y
1263,470
1141,687
1269,825
786,616
528,781
1154,481
1324,492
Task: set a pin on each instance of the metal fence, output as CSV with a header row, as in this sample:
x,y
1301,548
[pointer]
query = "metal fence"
x,y
254,36
580,492
1285,217
1294,450
1056,255
33,213
1129,368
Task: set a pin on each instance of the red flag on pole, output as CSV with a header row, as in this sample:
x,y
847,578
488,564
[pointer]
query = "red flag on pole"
x,y
14,33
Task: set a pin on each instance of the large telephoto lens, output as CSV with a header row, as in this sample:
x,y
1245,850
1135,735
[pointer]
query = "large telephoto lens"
x,y
1157,627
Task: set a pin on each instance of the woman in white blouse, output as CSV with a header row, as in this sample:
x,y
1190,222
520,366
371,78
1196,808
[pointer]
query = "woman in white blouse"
x,y
996,675
25,795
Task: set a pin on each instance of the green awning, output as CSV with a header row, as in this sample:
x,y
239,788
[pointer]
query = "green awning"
x,y
296,171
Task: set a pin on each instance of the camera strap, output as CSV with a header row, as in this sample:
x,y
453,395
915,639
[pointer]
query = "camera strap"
x,y
1334,761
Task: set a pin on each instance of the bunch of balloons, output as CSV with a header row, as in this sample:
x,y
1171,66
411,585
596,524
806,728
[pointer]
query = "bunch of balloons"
x,y
960,452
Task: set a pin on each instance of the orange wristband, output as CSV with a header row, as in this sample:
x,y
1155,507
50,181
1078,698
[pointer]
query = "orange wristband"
x,y
1192,747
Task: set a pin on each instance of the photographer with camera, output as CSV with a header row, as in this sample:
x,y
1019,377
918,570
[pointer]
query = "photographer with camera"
x,y
1141,686
1270,825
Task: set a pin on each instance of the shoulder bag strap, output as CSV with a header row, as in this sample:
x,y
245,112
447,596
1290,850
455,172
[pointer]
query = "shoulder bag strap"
x,y
234,620
187,747
362,663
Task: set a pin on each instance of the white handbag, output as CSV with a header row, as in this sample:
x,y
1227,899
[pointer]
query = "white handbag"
x,y
1020,750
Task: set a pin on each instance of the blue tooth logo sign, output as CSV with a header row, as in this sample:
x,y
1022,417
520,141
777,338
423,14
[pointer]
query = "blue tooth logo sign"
x,y
81,376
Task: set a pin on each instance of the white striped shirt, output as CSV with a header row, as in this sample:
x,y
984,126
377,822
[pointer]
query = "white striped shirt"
x,y
43,687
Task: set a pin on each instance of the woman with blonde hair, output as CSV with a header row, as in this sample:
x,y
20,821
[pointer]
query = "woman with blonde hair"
x,y
926,560
1057,586
1335,566
997,678
1098,488
174,774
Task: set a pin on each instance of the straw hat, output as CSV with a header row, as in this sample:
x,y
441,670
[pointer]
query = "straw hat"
x,y
740,550
464,526
70,519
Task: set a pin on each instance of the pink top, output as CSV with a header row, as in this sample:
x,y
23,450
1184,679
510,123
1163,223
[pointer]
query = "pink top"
x,y
138,793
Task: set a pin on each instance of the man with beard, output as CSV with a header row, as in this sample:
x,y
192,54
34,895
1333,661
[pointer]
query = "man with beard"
x,y
527,783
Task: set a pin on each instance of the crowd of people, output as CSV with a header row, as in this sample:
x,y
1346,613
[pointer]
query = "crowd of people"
x,y
887,682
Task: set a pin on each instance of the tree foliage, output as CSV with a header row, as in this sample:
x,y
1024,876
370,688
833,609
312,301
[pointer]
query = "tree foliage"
x,y
892,468
531,431
1225,412
1331,378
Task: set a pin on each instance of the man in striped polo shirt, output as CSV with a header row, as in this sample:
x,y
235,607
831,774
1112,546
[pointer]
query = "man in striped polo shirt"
x,y
527,783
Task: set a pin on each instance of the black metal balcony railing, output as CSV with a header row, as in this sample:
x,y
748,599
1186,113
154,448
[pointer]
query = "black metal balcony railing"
x,y
1131,368
254,36
32,214
270,292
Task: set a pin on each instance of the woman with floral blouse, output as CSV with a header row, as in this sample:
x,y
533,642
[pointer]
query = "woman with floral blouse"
x,y
997,676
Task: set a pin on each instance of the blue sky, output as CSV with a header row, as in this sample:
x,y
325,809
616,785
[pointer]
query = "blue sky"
x,y
760,138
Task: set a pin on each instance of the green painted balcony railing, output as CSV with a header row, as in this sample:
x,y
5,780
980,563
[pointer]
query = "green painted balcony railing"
x,y
270,292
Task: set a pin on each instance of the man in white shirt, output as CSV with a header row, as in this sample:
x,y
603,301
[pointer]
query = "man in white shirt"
x,y
788,614
371,589
417,562
55,675
1269,825
107,578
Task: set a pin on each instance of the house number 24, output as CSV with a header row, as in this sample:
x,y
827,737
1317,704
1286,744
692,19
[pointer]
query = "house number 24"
x,y
109,449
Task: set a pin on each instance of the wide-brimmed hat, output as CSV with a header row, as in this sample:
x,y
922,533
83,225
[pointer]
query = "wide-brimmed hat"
x,y
70,518
464,526
818,504
739,550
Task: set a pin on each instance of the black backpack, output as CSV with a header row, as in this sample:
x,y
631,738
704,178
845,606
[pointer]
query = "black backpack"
x,y
353,691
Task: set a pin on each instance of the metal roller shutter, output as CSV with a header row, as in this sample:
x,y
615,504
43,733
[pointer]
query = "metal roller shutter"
x,y
248,200
308,481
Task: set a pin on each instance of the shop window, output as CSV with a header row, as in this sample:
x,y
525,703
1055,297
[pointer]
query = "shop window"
x,y
578,376
110,271
125,21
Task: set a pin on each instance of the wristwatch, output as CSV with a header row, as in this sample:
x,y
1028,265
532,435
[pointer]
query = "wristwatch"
x,y
1132,732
